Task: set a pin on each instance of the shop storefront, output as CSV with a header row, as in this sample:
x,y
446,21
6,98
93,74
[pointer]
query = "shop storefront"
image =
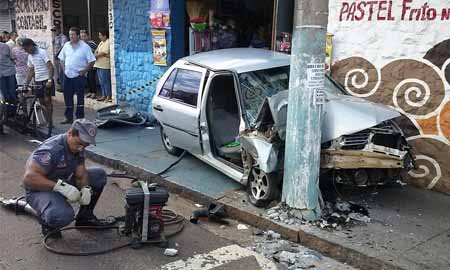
x,y
222,24
151,35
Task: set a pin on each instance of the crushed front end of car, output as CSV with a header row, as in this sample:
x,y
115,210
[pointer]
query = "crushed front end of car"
x,y
360,141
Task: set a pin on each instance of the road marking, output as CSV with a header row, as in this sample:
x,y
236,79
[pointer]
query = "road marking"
x,y
219,257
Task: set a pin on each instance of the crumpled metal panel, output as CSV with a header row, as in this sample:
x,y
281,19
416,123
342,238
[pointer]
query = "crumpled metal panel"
x,y
345,115
342,114
277,105
261,150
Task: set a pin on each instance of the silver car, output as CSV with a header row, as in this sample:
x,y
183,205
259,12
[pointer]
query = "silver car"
x,y
229,107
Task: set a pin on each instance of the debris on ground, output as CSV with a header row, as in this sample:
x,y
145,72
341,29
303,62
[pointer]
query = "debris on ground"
x,y
242,227
214,212
334,215
289,254
401,183
171,252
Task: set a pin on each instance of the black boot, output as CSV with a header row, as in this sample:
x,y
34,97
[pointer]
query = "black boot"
x,y
86,217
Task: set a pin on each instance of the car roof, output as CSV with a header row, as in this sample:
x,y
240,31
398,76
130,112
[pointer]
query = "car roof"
x,y
239,59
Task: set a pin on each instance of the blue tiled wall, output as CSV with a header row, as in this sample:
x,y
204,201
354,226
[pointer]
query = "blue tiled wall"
x,y
133,53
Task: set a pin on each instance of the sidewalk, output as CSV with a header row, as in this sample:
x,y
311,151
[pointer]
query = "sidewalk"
x,y
409,228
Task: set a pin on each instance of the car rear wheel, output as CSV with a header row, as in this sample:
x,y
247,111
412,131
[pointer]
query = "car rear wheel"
x,y
262,187
168,145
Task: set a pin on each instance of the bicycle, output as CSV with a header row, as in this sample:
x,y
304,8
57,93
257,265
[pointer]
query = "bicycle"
x,y
29,113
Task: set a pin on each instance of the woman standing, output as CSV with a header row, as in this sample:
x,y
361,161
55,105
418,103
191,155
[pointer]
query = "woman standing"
x,y
21,59
103,66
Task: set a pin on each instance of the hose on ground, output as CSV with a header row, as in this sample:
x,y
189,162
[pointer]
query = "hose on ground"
x,y
169,217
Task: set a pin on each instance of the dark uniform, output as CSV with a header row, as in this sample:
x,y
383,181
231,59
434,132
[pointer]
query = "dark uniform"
x,y
58,162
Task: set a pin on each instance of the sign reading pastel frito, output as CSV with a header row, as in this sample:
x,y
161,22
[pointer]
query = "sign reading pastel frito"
x,y
159,47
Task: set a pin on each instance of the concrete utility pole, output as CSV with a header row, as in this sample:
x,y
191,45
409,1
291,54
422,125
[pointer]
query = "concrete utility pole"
x,y
306,86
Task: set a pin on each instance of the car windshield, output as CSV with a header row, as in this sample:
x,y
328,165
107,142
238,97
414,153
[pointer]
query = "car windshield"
x,y
259,84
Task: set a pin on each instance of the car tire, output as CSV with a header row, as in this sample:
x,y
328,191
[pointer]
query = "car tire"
x,y
168,145
262,187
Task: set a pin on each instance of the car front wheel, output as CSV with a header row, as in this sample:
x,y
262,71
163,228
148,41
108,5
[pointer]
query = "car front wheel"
x,y
262,187
168,145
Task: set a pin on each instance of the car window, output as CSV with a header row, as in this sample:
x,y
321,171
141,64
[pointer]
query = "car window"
x,y
186,86
167,87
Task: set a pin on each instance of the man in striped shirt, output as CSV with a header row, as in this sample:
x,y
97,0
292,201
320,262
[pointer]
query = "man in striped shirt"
x,y
41,68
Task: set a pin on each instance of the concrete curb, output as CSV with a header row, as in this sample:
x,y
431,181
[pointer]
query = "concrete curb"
x,y
330,249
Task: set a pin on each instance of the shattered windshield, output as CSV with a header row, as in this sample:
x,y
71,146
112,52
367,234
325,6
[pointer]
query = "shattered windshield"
x,y
259,84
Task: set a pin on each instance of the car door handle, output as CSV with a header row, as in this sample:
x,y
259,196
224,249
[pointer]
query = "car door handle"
x,y
158,108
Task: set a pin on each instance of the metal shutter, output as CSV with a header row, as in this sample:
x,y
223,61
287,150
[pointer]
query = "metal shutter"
x,y
5,20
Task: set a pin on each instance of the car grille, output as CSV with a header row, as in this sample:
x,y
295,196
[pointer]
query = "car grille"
x,y
355,141
383,135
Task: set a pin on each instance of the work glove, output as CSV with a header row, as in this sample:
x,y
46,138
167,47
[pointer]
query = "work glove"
x,y
85,197
70,192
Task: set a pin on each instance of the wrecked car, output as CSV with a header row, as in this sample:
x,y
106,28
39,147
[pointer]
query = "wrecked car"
x,y
229,108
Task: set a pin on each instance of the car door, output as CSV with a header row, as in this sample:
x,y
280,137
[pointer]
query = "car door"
x,y
179,107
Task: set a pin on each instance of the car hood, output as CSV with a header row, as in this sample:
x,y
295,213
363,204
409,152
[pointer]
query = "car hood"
x,y
342,114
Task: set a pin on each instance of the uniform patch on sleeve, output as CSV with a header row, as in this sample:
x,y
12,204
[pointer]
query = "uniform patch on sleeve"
x,y
44,158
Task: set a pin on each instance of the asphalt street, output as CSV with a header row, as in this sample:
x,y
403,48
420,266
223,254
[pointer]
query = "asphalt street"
x,y
206,246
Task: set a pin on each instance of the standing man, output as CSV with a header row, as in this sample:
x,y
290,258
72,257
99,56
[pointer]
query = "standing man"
x,y
91,83
12,40
8,77
56,175
76,60
40,67
59,39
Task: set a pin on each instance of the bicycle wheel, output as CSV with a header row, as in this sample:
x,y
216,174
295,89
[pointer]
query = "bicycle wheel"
x,y
21,116
30,123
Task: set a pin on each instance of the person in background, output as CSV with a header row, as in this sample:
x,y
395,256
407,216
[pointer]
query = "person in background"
x,y
21,58
5,36
8,78
41,69
59,39
103,65
76,60
12,40
92,84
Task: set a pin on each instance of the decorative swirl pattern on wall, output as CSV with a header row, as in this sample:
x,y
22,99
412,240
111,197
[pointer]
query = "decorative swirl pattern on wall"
x,y
433,165
439,55
416,88
359,76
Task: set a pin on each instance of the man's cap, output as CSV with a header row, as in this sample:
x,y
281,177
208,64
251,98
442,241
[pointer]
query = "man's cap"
x,y
87,130
19,41
28,42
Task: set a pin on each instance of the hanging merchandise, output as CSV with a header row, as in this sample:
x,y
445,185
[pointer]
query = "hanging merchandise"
x,y
159,47
159,14
328,50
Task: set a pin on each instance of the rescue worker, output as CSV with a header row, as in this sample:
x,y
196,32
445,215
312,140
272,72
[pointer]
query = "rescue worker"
x,y
55,176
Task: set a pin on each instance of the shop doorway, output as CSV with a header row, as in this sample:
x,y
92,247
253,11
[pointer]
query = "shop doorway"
x,y
221,24
86,14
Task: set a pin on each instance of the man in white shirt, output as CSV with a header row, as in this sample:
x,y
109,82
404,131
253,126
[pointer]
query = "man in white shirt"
x,y
12,40
76,60
41,68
